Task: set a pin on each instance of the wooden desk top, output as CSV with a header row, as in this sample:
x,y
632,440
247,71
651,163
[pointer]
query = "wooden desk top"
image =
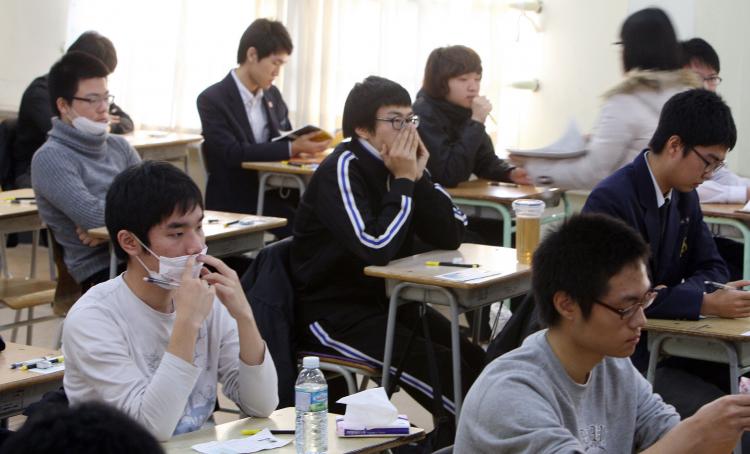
x,y
413,269
16,378
9,210
284,419
280,167
294,166
725,210
504,193
144,139
216,230
735,330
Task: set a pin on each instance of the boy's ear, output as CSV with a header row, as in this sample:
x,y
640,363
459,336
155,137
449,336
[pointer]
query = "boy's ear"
x,y
566,306
128,243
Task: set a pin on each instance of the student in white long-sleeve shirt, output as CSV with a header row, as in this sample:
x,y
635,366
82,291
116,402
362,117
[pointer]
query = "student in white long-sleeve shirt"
x,y
154,350
724,186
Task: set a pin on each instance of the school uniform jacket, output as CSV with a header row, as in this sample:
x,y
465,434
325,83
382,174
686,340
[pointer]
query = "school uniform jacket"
x,y
229,141
683,258
354,214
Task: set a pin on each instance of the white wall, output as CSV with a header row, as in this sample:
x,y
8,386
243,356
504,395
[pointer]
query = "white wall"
x,y
32,37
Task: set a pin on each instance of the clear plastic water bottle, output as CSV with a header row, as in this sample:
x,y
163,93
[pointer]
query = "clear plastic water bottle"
x,y
311,402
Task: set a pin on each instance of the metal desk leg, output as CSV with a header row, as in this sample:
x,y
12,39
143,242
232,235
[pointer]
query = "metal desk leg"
x,y
655,341
745,238
456,355
112,259
390,334
262,178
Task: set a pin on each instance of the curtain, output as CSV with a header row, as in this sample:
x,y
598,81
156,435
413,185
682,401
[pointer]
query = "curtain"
x,y
170,50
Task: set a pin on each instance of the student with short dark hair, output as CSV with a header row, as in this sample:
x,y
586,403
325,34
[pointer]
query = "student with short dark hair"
x,y
653,74
452,114
699,56
367,204
570,387
155,341
240,115
655,194
36,111
72,171
89,428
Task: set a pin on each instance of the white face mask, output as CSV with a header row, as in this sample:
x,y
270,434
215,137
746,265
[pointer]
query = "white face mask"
x,y
171,268
88,126
92,127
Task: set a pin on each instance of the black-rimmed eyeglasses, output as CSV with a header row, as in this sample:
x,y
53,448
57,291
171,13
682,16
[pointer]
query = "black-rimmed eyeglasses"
x,y
710,167
399,122
625,313
97,100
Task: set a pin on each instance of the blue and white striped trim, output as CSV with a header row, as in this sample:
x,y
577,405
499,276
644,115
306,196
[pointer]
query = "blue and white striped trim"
x,y
353,353
342,174
457,213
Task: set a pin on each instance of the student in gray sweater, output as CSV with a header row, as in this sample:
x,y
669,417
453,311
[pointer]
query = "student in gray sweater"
x,y
72,171
572,388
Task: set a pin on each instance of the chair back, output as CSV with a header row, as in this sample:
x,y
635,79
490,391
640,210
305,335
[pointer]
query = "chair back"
x,y
67,290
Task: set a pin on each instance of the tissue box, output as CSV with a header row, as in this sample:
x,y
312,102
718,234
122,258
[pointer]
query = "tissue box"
x,y
399,427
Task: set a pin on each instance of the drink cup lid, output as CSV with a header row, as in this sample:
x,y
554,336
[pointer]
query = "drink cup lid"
x,y
310,362
528,206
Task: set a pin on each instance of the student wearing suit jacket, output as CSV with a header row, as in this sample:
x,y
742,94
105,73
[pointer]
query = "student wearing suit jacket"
x,y
240,115
655,194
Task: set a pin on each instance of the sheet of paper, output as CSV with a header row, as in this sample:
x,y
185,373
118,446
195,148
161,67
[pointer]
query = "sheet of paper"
x,y
571,144
49,370
468,274
261,441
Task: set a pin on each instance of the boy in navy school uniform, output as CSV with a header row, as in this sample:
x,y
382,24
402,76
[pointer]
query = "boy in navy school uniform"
x,y
655,194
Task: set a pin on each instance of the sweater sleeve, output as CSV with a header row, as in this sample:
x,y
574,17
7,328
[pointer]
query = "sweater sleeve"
x,y
59,181
126,123
102,368
609,146
374,232
253,388
654,418
224,143
438,221
724,187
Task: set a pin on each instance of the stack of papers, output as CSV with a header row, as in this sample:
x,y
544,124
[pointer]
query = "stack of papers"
x,y
397,428
570,145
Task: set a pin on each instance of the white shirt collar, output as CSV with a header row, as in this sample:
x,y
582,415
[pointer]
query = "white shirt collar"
x,y
660,199
368,146
247,96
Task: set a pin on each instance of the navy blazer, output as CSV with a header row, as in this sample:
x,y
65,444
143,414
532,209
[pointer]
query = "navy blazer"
x,y
682,259
229,141
686,252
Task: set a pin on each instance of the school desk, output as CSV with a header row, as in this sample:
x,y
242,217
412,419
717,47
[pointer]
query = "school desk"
x,y
284,419
488,199
20,388
409,279
163,145
222,239
730,214
294,173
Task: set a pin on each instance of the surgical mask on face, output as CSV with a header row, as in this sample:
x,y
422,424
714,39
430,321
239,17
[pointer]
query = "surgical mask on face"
x,y
88,126
171,268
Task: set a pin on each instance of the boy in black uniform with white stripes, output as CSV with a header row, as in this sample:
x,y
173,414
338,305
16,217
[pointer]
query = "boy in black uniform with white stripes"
x,y
365,205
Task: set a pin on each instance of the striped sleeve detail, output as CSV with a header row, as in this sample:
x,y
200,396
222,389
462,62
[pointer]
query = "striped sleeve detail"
x,y
457,213
355,218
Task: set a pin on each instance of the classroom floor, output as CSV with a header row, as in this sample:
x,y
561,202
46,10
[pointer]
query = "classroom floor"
x,y
45,335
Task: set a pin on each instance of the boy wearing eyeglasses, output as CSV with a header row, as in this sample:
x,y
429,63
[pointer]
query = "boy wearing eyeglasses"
x,y
73,169
570,388
655,194
367,204
723,186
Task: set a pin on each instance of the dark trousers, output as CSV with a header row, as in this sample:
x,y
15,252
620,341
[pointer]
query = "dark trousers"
x,y
732,253
281,203
364,339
